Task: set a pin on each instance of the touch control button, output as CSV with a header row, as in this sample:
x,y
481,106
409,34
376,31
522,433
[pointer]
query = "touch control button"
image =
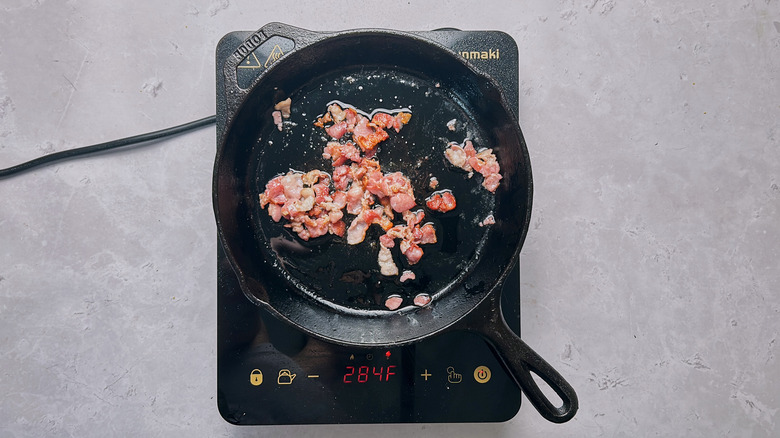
x,y
482,374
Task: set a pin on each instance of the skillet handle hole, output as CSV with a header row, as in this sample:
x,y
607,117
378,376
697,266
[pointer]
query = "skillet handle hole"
x,y
547,391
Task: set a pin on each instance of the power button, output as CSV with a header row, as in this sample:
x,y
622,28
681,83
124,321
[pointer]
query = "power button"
x,y
482,374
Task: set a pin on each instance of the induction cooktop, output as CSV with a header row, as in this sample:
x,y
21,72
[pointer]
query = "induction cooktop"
x,y
269,373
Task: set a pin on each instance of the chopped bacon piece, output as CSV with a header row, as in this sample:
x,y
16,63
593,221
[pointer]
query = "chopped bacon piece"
x,y
457,156
468,148
484,162
284,107
433,183
292,184
384,120
351,116
342,177
422,300
386,240
403,118
326,118
275,211
355,199
357,229
337,130
413,253
339,153
442,201
316,227
339,199
336,112
386,264
393,302
489,220
428,234
339,228
274,192
491,182
367,136
277,116
402,202
376,183
407,275
411,235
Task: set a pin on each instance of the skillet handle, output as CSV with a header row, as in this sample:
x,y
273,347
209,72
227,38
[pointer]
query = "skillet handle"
x,y
520,361
298,36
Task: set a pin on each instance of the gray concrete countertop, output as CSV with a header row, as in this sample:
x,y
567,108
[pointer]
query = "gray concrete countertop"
x,y
650,274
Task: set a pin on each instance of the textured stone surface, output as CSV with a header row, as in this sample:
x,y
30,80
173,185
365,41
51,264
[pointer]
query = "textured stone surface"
x,y
650,274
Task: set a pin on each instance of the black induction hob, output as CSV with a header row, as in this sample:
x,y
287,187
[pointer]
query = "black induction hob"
x,y
269,373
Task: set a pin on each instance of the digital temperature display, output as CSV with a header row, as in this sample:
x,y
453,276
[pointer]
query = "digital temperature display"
x,y
365,373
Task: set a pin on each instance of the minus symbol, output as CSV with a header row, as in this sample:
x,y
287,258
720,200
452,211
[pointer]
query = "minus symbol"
x,y
313,376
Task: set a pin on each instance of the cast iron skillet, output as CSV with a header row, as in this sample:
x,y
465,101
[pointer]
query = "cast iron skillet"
x,y
332,290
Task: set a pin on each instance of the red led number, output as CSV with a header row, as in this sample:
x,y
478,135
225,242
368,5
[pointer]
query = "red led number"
x,y
363,374
350,372
382,374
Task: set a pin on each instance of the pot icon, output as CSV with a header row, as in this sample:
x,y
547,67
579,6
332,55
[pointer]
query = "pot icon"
x,y
285,377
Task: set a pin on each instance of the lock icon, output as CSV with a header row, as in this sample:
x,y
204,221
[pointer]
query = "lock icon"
x,y
285,377
256,377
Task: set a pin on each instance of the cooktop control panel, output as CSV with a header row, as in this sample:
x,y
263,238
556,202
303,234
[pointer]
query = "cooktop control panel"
x,y
270,373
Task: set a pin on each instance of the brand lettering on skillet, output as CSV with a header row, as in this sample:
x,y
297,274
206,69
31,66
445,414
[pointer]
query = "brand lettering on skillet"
x,y
484,54
247,46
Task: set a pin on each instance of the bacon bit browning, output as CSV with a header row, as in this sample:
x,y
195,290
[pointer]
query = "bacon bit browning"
x,y
320,123
433,183
451,124
407,275
366,133
441,201
367,136
484,162
384,120
284,107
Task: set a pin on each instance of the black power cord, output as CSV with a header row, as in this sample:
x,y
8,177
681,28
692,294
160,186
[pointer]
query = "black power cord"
x,y
141,138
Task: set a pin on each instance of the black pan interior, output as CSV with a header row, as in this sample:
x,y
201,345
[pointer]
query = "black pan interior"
x,y
323,282
347,275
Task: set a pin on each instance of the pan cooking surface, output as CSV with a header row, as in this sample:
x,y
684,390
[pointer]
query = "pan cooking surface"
x,y
348,275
